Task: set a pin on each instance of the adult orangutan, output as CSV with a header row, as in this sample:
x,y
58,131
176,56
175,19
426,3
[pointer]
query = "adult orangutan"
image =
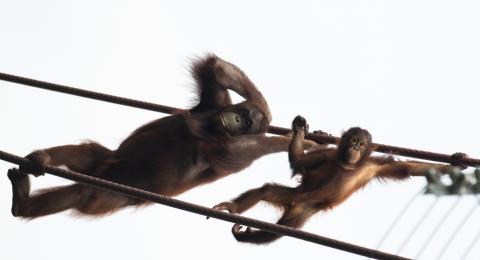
x,y
168,156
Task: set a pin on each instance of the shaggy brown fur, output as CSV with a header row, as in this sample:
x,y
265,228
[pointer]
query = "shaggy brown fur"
x,y
329,177
168,156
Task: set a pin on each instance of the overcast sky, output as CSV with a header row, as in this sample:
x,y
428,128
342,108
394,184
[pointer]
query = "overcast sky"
x,y
408,71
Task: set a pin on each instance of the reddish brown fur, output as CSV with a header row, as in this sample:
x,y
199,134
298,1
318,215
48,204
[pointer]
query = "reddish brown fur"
x,y
168,156
326,182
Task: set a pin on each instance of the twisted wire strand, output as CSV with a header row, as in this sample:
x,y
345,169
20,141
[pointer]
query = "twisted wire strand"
x,y
320,138
182,205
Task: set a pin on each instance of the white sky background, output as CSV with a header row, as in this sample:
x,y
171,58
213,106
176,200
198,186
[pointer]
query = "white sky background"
x,y
408,71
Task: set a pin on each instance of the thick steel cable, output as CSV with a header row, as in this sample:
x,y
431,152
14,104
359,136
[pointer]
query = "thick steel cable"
x,y
399,217
273,129
182,205
417,225
438,226
457,230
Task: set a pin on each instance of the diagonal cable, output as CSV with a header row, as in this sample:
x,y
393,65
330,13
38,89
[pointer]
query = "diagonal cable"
x,y
417,225
470,247
457,230
382,148
438,226
182,205
399,217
